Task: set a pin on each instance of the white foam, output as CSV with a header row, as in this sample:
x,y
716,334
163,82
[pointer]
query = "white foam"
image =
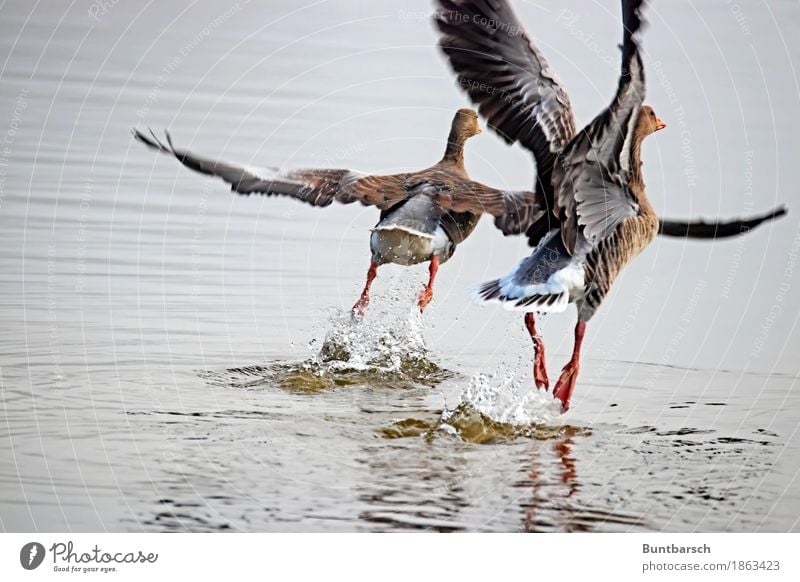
x,y
387,339
507,399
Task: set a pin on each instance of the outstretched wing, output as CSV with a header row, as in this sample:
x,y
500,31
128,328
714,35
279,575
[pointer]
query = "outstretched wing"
x,y
716,229
592,184
318,187
477,198
508,78
537,224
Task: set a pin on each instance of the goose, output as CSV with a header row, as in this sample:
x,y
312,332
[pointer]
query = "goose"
x,y
592,215
602,215
424,216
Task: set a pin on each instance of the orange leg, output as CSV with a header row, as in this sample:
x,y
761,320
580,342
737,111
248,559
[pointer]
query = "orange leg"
x,y
539,369
566,382
363,301
427,293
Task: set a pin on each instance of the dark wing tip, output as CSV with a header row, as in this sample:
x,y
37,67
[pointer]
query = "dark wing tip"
x,y
779,211
632,19
169,140
717,229
152,142
632,24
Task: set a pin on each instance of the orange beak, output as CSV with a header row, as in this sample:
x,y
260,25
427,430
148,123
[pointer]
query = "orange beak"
x,y
660,124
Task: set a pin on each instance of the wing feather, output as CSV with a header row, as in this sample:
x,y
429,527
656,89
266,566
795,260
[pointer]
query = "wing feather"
x,y
508,78
592,182
315,186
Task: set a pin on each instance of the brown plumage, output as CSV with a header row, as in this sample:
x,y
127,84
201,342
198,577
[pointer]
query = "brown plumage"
x,y
592,215
605,261
424,215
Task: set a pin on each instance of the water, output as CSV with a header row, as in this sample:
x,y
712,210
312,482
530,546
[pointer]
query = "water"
x,y
177,358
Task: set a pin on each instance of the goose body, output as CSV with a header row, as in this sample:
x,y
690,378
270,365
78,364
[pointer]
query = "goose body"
x,y
403,246
411,234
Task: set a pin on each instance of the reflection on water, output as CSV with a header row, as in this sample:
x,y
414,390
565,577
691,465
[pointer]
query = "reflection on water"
x,y
171,361
659,482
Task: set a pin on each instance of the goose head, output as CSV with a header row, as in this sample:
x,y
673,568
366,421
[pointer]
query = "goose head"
x,y
465,123
648,122
464,126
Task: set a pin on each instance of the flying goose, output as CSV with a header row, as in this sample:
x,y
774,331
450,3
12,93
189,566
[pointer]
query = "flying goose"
x,y
424,215
592,215
601,217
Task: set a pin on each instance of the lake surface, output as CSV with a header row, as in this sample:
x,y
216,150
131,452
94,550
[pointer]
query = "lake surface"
x,y
176,358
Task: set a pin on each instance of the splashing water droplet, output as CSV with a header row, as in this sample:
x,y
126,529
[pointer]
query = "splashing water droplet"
x,y
503,398
387,342
384,349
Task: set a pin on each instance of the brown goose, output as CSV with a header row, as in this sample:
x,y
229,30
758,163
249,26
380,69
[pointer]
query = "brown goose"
x,y
592,217
603,214
424,215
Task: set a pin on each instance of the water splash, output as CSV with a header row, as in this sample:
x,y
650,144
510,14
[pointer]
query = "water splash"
x,y
499,407
386,348
384,341
388,342
506,398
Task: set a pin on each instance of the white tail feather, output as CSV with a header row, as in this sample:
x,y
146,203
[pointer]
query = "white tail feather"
x,y
491,292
